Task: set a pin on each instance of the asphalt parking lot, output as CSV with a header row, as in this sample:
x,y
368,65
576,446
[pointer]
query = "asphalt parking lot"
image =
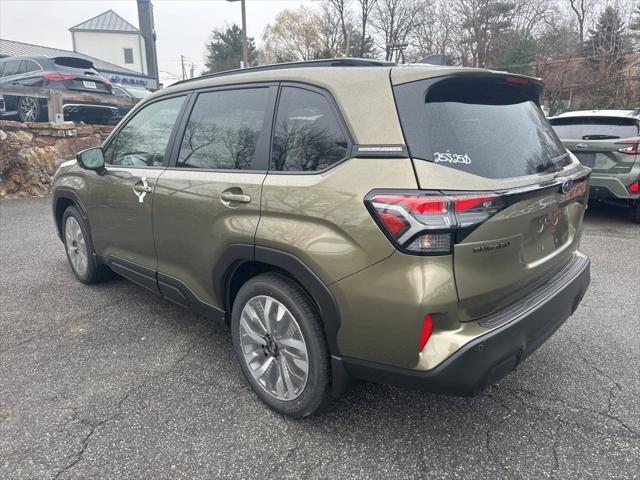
x,y
110,381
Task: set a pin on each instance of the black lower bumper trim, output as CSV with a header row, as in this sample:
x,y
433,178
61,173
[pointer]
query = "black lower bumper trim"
x,y
488,358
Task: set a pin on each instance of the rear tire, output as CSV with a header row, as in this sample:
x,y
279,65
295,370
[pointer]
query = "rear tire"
x,y
29,110
635,211
283,353
80,253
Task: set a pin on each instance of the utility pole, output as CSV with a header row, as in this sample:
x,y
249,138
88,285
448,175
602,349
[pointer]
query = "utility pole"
x,y
245,46
184,73
347,46
193,67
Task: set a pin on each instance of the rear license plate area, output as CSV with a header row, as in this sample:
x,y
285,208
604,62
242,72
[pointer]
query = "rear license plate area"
x,y
88,84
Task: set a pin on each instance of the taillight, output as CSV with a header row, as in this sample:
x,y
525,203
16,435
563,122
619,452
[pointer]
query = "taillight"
x,y
635,187
56,77
429,223
632,147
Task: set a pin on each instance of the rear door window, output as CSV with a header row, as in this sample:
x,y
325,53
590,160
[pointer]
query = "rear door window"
x,y
31,66
308,135
486,126
12,67
224,128
595,128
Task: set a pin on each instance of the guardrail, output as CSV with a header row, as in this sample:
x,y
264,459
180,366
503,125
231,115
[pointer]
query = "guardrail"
x,y
56,98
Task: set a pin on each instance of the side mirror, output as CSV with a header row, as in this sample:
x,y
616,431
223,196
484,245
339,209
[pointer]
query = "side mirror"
x,y
91,159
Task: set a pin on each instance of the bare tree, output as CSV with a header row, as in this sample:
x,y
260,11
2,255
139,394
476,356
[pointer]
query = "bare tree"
x,y
395,21
343,12
438,34
530,15
294,36
366,7
580,8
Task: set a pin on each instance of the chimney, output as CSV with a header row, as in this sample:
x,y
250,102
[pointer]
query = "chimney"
x,y
145,20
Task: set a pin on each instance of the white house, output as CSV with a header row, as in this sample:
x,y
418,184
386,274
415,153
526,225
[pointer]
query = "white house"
x,y
111,38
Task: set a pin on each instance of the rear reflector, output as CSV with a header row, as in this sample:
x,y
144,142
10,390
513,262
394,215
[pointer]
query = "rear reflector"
x,y
635,187
427,328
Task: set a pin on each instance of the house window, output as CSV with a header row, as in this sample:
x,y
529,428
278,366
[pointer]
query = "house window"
x,y
128,55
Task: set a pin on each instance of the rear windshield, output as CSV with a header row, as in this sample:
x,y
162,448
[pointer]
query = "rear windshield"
x,y
487,126
73,62
594,128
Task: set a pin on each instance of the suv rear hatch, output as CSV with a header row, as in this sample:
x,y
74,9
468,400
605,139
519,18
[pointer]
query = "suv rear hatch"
x,y
607,144
516,196
78,74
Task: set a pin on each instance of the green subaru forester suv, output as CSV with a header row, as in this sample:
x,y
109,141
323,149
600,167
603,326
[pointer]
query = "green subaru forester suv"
x,y
349,219
607,141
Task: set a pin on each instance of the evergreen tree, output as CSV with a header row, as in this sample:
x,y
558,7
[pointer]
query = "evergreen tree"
x,y
224,49
607,40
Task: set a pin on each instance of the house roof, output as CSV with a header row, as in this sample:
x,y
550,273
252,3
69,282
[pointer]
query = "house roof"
x,y
108,21
9,48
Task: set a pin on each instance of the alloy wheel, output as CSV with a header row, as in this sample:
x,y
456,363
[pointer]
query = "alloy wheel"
x,y
28,109
76,246
273,347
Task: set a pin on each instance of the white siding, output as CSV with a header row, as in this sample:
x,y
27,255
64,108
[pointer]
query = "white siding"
x,y
109,46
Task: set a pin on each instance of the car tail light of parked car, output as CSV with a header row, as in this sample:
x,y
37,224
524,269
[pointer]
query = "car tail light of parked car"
x,y
428,223
632,147
635,187
57,77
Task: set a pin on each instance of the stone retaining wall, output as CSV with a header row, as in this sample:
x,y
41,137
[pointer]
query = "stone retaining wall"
x,y
31,152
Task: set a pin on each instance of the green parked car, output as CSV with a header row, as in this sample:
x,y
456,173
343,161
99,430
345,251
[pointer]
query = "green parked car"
x,y
607,141
348,219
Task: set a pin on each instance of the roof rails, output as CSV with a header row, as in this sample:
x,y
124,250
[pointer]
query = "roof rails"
x,y
326,62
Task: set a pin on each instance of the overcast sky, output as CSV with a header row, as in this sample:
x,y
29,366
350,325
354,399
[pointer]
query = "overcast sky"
x,y
182,26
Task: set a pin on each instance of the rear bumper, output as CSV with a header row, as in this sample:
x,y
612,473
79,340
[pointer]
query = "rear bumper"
x,y
77,110
613,187
488,358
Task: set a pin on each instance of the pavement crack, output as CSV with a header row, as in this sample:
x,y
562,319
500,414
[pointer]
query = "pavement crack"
x,y
495,455
51,328
529,393
94,426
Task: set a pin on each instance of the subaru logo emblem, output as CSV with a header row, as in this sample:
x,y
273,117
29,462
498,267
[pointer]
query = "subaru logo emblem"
x,y
566,186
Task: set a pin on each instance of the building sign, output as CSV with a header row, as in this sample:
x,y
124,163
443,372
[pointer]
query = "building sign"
x,y
148,83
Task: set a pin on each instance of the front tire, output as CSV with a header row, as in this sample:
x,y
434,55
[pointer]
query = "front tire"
x,y
279,343
79,247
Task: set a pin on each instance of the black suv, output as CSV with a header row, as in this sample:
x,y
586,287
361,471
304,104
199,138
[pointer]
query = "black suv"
x,y
64,73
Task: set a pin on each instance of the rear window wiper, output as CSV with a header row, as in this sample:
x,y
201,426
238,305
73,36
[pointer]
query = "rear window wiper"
x,y
543,167
600,137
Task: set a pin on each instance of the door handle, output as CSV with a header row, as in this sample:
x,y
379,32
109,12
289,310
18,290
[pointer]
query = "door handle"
x,y
235,197
141,188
